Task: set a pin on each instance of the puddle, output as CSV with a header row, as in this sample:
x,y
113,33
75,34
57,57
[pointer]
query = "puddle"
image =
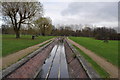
x,y
55,65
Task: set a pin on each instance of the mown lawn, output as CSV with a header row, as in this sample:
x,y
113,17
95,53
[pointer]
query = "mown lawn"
x,y
10,44
107,50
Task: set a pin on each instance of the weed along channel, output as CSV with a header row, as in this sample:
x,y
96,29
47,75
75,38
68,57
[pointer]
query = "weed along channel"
x,y
53,60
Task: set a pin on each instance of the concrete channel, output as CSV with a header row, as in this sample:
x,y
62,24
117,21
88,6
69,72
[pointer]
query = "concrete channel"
x,y
57,59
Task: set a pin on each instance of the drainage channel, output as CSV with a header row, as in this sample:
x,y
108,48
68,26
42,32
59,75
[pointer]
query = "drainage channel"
x,y
55,65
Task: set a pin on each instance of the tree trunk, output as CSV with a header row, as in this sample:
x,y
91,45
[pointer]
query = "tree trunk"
x,y
17,34
43,34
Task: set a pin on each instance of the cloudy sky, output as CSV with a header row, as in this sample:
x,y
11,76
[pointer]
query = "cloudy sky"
x,y
76,12
104,13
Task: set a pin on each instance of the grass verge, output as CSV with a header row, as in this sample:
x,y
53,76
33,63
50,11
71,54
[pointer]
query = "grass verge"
x,y
98,69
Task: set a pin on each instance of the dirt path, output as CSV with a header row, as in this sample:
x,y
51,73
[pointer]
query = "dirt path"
x,y
12,58
107,66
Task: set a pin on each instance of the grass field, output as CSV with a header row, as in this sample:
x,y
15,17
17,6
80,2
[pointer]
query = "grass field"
x,y
98,69
107,50
10,44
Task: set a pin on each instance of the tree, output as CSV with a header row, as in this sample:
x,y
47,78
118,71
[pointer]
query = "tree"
x,y
104,33
20,13
87,31
44,25
7,29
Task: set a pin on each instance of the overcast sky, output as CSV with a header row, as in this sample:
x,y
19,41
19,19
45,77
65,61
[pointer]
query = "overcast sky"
x,y
95,13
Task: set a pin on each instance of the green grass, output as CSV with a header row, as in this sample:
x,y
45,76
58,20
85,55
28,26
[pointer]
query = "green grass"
x,y
10,44
98,69
107,50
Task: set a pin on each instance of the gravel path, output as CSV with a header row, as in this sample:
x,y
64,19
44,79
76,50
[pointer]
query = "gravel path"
x,y
107,66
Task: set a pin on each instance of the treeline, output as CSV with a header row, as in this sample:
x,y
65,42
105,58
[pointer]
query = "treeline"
x,y
31,30
101,33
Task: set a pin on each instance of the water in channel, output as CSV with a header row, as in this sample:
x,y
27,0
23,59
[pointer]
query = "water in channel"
x,y
55,65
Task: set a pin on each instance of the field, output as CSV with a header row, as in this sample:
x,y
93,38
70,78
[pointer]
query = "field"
x,y
107,50
10,44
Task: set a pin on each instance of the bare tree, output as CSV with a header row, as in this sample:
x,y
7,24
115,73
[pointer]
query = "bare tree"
x,y
20,12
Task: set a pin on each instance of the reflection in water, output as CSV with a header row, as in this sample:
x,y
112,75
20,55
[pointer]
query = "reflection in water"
x,y
55,66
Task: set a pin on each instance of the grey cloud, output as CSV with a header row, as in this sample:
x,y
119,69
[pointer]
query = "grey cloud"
x,y
94,12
